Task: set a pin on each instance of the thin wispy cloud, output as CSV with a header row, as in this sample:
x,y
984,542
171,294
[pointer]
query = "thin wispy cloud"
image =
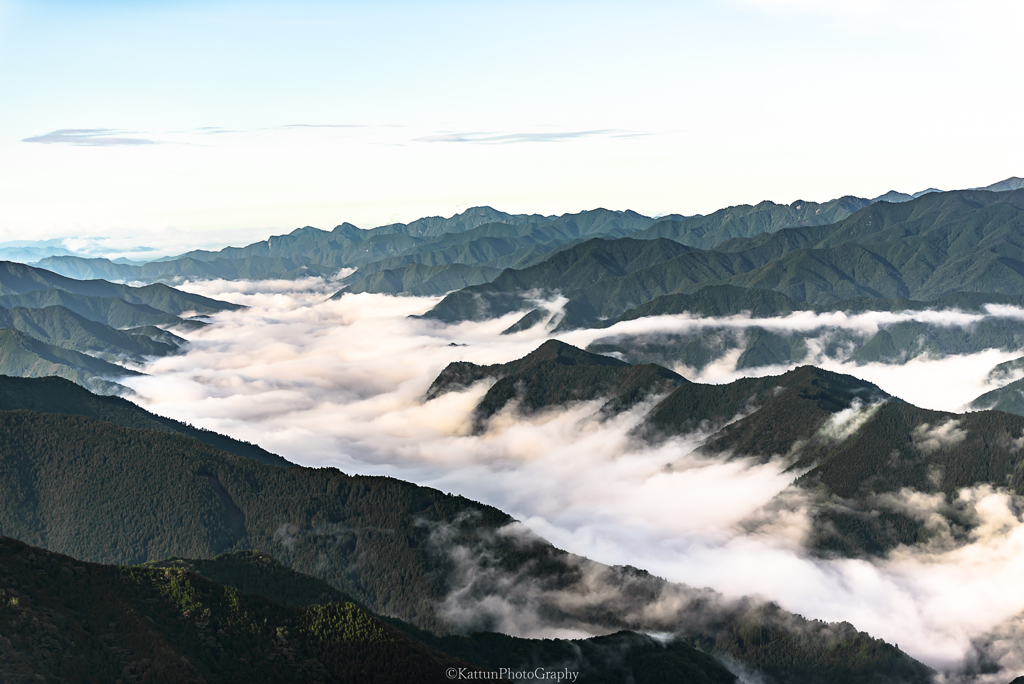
x,y
94,137
110,137
507,138
215,130
323,126
218,129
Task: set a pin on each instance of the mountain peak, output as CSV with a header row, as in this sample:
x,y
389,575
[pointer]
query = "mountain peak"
x,y
556,351
832,383
1011,183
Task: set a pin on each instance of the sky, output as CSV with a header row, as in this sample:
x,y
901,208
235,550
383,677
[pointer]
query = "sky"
x,y
181,124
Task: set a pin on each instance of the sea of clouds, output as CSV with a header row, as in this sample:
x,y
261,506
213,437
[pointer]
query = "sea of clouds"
x,y
340,382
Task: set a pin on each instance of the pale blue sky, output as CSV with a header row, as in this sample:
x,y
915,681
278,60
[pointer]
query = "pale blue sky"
x,y
429,107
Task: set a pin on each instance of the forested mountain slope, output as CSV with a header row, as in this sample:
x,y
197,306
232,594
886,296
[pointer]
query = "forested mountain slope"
x,y
66,620
626,656
118,495
56,395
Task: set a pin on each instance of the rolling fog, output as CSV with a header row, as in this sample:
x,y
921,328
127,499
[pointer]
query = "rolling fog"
x,y
340,383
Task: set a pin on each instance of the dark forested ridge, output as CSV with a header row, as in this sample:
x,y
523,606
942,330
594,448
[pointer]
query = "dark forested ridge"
x,y
56,395
622,657
556,373
65,620
112,494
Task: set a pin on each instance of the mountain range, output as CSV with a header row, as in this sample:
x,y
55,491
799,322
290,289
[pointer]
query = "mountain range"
x,y
137,547
940,250
434,255
937,245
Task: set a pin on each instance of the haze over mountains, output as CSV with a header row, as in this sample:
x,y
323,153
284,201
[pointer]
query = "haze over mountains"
x,y
936,245
674,403
475,246
934,250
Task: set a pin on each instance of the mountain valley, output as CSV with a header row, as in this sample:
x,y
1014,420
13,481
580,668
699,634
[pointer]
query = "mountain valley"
x,y
600,442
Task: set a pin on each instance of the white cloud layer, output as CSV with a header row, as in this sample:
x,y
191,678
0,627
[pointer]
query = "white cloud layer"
x,y
340,383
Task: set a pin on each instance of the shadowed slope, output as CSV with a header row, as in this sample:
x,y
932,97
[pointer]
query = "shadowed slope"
x,y
25,356
626,656
56,395
62,618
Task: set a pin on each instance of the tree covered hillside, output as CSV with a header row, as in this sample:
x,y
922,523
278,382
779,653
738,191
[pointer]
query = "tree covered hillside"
x,y
112,494
65,620
626,656
56,395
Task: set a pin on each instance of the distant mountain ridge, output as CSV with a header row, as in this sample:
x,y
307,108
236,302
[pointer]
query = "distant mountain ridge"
x,y
924,249
475,245
84,330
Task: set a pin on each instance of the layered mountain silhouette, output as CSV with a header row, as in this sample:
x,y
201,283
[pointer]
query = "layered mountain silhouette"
x,y
85,330
428,255
19,279
24,356
435,255
935,245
